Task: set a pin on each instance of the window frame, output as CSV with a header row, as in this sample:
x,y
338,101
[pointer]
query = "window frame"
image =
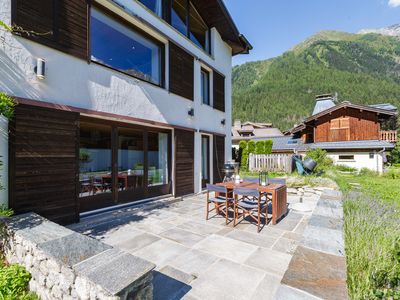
x,y
208,73
346,157
110,14
189,4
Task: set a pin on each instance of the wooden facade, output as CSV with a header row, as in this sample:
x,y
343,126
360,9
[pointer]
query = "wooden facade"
x,y
219,91
347,124
44,167
181,72
59,24
218,158
184,162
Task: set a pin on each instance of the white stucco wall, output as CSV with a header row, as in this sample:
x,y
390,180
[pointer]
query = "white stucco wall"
x,y
361,160
4,159
74,82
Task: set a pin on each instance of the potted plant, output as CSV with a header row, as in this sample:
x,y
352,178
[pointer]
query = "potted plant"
x,y
6,113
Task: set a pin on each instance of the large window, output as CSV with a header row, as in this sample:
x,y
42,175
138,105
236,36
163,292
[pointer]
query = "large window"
x,y
130,159
185,18
158,158
205,87
121,48
154,5
95,159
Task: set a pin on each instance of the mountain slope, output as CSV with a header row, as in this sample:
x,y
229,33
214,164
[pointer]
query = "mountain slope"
x,y
360,68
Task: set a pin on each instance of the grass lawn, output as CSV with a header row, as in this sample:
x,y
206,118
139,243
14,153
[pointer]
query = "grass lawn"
x,y
372,234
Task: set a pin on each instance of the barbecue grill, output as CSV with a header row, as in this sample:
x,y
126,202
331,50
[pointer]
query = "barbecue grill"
x,y
231,168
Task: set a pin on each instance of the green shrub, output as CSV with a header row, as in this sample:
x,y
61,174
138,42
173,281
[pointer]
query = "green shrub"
x,y
367,173
260,146
7,106
251,147
14,281
244,164
242,147
5,212
321,158
394,156
268,146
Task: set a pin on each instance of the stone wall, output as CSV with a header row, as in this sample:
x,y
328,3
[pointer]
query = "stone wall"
x,y
68,265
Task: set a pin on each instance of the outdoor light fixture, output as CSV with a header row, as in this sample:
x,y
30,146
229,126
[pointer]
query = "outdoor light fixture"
x,y
223,122
191,112
40,68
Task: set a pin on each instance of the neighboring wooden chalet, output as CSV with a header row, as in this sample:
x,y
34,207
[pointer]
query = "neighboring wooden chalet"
x,y
354,135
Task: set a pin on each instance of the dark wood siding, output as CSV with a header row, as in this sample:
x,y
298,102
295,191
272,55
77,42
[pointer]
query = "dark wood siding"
x,y
219,91
44,163
359,125
60,24
218,158
181,72
184,162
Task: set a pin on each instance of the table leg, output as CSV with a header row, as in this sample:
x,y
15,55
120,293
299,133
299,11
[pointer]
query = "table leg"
x,y
274,207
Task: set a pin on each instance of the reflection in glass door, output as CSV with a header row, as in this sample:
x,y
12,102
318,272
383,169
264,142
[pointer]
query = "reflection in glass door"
x,y
130,162
205,160
157,158
95,162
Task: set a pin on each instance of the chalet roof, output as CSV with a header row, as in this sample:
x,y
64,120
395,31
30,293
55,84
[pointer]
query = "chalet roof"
x,y
386,106
366,144
344,104
288,143
216,15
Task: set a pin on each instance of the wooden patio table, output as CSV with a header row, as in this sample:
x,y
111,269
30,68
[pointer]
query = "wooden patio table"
x,y
125,178
278,192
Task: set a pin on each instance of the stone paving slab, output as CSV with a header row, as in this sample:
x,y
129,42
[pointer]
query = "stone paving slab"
x,y
65,249
324,239
183,237
170,283
288,293
325,276
227,280
327,222
194,262
270,261
224,247
267,288
108,269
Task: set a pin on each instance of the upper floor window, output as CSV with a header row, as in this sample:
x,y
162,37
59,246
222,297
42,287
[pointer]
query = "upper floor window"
x,y
154,5
205,87
185,18
121,48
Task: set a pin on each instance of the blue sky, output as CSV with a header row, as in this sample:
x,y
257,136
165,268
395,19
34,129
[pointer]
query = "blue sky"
x,y
274,26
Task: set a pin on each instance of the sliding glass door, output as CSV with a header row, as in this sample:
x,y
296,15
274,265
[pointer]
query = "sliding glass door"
x,y
205,160
122,163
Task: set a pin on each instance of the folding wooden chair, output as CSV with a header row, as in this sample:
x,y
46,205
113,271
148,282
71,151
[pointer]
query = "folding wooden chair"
x,y
250,203
221,200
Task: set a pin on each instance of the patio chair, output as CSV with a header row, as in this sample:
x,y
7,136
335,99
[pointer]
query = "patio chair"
x,y
250,203
251,179
274,181
86,185
221,200
97,185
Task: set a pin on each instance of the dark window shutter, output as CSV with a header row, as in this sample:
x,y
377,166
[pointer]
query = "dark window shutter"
x,y
219,158
184,162
219,91
59,24
181,72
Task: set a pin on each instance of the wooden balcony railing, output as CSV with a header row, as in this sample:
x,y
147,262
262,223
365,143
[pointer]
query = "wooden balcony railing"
x,y
389,136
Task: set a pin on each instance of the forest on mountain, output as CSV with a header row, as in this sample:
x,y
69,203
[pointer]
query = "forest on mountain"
x,y
360,68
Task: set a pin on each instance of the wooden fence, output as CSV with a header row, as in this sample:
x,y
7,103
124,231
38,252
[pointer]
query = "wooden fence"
x,y
271,162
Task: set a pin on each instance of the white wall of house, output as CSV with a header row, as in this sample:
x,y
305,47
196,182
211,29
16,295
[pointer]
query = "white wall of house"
x,y
361,160
74,82
4,159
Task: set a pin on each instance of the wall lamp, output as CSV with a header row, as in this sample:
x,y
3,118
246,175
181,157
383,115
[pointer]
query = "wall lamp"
x,y
223,122
40,68
191,112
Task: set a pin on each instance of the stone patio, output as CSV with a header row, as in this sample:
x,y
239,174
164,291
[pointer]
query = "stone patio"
x,y
199,259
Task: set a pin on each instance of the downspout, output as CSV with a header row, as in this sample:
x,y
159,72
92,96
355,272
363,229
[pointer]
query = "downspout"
x,y
377,159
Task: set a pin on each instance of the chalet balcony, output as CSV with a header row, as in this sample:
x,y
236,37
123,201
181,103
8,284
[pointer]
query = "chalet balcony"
x,y
388,135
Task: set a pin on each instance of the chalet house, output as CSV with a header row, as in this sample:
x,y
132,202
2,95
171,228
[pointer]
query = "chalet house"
x,y
354,135
253,131
118,100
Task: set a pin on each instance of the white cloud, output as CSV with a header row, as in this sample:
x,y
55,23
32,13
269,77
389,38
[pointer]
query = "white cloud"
x,y
394,3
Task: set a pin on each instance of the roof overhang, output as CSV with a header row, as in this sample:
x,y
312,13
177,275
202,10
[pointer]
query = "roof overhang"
x,y
215,14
